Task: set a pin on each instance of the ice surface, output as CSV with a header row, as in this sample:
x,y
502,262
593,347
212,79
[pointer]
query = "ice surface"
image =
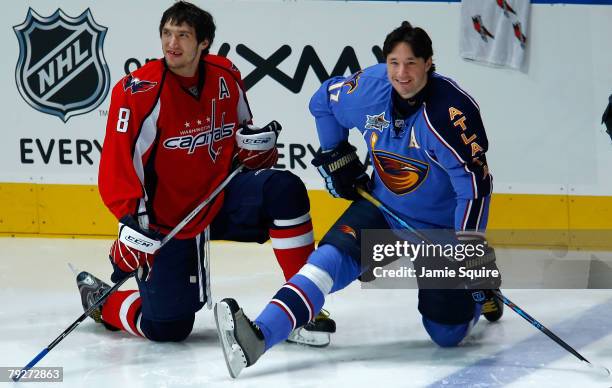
x,y
380,341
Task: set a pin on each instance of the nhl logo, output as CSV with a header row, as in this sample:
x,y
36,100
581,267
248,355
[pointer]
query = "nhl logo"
x,y
61,68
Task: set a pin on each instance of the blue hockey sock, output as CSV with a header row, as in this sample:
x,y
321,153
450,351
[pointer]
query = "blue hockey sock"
x,y
294,305
302,297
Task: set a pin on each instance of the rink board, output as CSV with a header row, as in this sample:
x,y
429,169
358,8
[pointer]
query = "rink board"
x,y
76,210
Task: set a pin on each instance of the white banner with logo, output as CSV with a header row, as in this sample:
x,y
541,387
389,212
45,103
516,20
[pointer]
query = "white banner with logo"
x,y
61,58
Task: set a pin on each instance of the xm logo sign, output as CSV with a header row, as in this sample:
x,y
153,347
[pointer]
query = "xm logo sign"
x,y
61,68
268,65
308,59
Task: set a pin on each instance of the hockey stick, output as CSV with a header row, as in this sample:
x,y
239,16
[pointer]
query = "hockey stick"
x,y
550,334
367,196
114,288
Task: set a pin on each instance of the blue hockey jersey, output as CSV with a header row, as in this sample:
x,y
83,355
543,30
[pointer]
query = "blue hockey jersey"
x,y
429,165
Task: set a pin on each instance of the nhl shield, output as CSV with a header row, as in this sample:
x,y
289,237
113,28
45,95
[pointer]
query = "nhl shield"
x,y
61,68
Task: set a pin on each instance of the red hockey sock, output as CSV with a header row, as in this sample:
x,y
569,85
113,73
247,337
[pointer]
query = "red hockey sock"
x,y
292,245
122,310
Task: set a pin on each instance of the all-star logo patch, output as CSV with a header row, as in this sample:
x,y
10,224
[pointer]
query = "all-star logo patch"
x,y
61,68
377,122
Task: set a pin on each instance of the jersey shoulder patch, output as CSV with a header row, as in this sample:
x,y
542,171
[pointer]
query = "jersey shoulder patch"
x,y
455,118
145,79
363,88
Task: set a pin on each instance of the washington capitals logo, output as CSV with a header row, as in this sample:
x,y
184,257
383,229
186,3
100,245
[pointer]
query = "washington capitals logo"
x,y
519,34
206,135
377,122
61,68
481,29
137,85
352,83
503,4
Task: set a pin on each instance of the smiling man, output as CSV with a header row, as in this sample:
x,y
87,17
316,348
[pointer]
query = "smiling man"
x,y
427,144
175,128
181,48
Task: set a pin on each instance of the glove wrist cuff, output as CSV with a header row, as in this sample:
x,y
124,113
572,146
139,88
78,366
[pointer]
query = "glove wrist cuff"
x,y
137,240
342,162
262,141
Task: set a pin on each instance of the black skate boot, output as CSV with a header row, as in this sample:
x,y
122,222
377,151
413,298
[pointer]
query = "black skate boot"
x,y
91,289
242,341
315,333
492,307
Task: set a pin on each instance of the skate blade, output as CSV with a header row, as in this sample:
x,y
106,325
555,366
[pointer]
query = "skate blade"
x,y
74,269
317,339
235,360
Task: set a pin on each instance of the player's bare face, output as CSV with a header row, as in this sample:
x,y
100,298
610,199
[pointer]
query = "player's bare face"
x,y
407,73
181,49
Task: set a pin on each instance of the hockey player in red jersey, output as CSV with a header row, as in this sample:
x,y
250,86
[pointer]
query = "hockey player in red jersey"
x,y
175,127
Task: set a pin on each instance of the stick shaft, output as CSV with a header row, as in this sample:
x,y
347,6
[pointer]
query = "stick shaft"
x,y
201,206
367,196
116,286
73,326
538,325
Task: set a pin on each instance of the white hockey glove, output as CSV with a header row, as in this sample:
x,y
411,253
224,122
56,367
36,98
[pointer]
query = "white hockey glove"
x,y
257,146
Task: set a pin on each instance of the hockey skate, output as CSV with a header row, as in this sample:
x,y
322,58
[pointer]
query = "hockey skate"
x,y
492,307
315,333
91,289
242,341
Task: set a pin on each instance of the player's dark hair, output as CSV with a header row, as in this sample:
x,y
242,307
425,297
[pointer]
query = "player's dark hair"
x,y
185,12
416,37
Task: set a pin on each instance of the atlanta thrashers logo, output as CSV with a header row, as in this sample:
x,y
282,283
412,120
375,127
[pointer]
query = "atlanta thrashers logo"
x,y
400,174
61,68
348,230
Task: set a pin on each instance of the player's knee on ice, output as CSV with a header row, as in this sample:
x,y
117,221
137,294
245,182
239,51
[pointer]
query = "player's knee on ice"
x,y
285,196
167,331
446,336
447,315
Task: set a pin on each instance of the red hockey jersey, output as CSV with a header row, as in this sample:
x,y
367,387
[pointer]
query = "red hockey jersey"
x,y
167,148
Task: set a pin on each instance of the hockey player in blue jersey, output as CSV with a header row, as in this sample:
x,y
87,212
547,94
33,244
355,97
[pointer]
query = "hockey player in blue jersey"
x,y
427,144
